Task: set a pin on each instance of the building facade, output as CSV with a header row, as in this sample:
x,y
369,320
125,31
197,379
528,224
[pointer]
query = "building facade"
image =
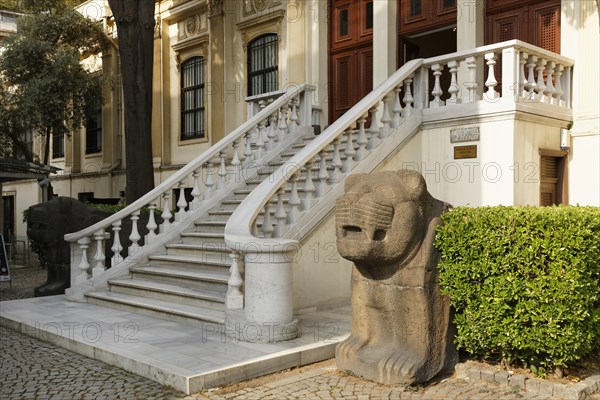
x,y
215,60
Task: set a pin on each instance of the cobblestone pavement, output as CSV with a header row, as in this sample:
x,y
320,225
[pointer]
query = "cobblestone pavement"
x,y
31,369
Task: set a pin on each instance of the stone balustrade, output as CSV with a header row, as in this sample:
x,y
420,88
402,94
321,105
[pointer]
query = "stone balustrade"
x,y
264,231
208,178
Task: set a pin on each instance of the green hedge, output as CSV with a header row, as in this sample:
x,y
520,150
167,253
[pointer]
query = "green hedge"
x,y
525,282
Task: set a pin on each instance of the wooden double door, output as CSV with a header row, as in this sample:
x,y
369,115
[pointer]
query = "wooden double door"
x,y
350,54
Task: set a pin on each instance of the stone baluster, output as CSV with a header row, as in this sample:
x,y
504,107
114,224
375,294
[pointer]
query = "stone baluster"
x,y
134,237
531,84
280,214
491,94
549,90
99,258
541,86
323,175
522,79
248,148
283,123
336,162
294,119
222,172
273,130
236,164
472,84
116,247
260,143
196,193
309,186
166,214
267,226
181,204
235,299
362,140
151,225
84,265
408,97
566,85
349,152
208,182
386,119
453,89
437,87
397,107
373,129
294,201
558,90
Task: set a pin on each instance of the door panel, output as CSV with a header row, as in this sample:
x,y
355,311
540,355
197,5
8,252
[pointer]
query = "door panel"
x,y
350,54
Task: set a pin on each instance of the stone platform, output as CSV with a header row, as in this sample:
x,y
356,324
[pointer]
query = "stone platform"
x,y
184,357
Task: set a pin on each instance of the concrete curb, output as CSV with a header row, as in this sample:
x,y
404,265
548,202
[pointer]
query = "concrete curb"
x,y
575,391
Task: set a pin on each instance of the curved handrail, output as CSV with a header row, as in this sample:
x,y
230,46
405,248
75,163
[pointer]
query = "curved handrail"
x,y
185,171
238,231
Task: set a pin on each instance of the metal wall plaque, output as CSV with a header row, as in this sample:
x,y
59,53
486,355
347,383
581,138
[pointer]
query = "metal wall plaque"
x,y
458,135
461,152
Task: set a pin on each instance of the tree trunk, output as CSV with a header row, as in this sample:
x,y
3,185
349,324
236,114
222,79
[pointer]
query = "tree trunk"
x,y
135,29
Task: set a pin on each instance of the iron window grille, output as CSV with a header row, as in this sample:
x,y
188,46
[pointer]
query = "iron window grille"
x,y
192,99
263,64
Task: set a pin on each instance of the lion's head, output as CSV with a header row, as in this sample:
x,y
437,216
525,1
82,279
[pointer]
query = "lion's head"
x,y
381,220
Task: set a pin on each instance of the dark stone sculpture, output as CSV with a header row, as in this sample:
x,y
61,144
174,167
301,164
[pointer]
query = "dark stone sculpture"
x,y
401,324
47,223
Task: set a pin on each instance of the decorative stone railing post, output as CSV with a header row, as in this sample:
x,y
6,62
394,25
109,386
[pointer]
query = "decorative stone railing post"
x,y
510,74
99,258
84,265
491,94
235,299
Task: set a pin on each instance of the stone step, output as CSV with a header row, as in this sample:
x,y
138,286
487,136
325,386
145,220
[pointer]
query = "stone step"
x,y
207,226
158,308
193,259
200,251
189,277
202,237
173,293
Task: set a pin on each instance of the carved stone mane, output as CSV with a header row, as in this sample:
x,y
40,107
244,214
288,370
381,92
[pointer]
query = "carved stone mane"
x,y
401,324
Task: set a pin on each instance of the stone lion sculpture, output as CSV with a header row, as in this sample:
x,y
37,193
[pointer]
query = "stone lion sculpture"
x,y
401,324
47,224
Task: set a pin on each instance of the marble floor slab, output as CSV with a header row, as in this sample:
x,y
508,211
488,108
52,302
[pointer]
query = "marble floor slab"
x,y
185,357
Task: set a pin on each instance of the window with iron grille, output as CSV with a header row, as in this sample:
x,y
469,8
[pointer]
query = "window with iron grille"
x,y
58,144
93,131
192,99
263,64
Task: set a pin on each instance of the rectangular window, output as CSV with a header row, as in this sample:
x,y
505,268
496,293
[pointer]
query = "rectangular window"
x,y
93,131
448,3
192,99
415,8
369,15
58,145
344,22
263,66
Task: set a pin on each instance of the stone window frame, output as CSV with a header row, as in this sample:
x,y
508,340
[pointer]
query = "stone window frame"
x,y
201,134
259,47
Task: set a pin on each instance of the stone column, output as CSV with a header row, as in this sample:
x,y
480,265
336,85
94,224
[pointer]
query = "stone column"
x,y
216,66
385,37
470,20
